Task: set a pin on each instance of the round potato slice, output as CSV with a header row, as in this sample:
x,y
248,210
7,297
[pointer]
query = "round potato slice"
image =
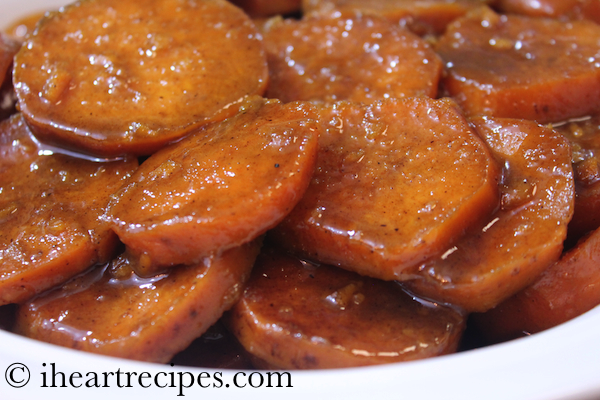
x,y
356,58
218,188
396,183
297,315
112,311
524,237
50,208
519,67
113,77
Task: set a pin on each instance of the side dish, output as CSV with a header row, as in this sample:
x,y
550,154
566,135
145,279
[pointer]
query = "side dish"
x,y
332,183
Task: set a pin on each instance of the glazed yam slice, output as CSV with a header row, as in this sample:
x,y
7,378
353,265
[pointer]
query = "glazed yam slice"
x,y
218,188
564,291
357,58
396,183
571,9
584,136
113,77
112,311
519,67
297,315
50,206
524,237
421,16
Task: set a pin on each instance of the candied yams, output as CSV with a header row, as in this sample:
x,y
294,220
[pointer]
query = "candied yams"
x,y
390,189
369,204
50,208
112,77
111,310
563,291
524,237
421,16
584,136
356,58
519,67
218,188
298,315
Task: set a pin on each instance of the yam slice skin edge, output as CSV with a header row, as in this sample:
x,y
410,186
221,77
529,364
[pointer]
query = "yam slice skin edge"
x,y
390,188
50,213
299,315
266,8
112,311
221,187
519,67
373,59
524,237
8,49
110,77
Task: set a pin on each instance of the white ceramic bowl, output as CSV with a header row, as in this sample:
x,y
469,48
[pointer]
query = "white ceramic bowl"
x,y
561,363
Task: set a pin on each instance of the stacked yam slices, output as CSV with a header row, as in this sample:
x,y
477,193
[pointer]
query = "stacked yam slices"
x,y
337,183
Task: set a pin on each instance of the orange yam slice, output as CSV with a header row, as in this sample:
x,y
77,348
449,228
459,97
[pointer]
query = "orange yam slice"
x,y
564,291
114,77
297,315
112,311
584,136
524,237
519,67
571,9
50,208
219,188
421,16
396,183
357,58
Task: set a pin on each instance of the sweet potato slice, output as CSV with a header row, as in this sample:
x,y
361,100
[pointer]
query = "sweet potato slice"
x,y
519,67
564,9
218,188
390,189
421,16
297,315
50,206
564,291
584,136
110,310
113,77
521,239
357,58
